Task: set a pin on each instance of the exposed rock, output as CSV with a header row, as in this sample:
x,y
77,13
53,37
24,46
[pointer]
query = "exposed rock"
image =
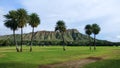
x,y
70,35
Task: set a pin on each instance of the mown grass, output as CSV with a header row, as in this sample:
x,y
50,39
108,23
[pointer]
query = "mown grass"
x,y
9,58
112,60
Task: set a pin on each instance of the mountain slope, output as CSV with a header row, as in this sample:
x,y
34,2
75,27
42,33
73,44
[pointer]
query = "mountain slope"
x,y
70,35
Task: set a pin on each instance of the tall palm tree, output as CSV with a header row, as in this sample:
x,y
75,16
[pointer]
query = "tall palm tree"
x,y
11,22
60,26
22,20
88,31
95,31
34,21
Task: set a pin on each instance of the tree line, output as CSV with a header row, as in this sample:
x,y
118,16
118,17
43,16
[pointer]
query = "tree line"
x,y
20,18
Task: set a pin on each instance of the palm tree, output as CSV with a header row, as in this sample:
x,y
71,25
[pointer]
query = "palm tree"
x,y
11,23
60,26
95,31
34,21
88,31
22,20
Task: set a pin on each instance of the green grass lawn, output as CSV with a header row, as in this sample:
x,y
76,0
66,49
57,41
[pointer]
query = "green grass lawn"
x,y
9,58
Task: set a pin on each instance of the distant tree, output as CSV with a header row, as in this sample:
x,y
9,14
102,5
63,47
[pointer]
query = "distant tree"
x,y
22,20
88,31
61,27
11,22
34,21
95,30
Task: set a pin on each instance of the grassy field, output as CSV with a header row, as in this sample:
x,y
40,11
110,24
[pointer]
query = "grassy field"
x,y
9,58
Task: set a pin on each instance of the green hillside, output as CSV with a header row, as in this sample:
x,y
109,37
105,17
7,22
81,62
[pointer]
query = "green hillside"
x,y
72,37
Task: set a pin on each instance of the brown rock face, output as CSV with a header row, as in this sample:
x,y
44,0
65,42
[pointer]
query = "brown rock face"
x,y
70,35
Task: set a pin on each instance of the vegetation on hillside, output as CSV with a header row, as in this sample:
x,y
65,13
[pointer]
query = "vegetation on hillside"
x,y
20,18
72,36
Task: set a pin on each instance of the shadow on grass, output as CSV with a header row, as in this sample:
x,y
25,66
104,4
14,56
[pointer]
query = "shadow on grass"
x,y
112,63
17,65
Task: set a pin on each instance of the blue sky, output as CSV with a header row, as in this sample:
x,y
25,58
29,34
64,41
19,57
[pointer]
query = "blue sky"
x,y
76,14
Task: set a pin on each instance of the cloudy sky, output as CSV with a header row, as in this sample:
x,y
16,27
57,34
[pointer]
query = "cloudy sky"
x,y
76,14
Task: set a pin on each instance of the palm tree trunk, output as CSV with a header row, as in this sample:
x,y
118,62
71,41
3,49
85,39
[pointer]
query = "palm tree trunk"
x,y
21,39
94,42
31,40
89,42
15,43
63,41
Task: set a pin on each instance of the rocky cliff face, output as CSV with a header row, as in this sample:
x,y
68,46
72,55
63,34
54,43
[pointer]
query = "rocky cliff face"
x,y
70,35
72,38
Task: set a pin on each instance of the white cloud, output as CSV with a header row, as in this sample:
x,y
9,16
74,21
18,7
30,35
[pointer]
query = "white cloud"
x,y
3,30
118,36
76,14
74,10
1,14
